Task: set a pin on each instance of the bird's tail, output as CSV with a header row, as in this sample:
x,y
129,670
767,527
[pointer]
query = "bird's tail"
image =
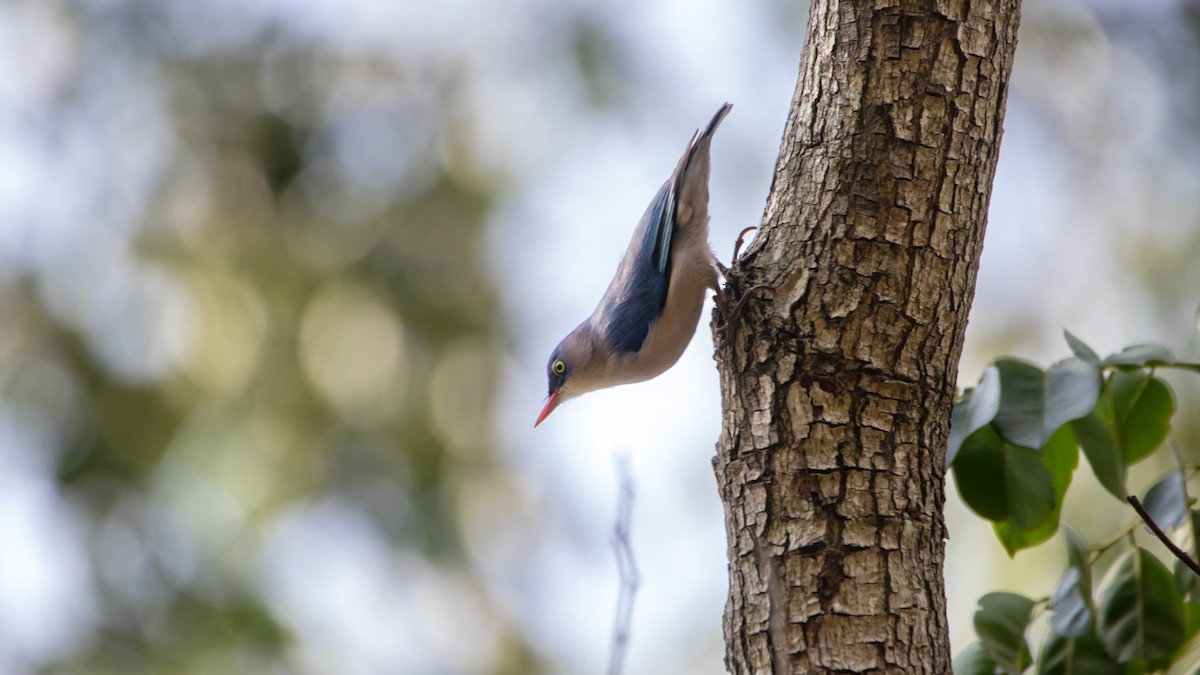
x,y
690,181
701,139
716,121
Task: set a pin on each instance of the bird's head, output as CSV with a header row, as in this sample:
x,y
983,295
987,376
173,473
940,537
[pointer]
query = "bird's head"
x,y
576,366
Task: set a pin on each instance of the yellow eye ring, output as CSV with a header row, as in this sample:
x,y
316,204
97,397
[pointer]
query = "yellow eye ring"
x,y
558,367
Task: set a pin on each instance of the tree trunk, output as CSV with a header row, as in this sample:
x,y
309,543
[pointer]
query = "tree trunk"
x,y
837,384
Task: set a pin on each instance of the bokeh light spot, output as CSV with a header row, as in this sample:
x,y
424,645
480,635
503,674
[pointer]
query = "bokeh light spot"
x,y
352,352
233,323
459,393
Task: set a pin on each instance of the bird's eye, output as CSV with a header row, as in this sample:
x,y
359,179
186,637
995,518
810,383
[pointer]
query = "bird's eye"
x,y
558,367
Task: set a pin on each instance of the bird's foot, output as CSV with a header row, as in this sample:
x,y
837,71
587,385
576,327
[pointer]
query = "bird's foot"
x,y
737,248
730,319
737,245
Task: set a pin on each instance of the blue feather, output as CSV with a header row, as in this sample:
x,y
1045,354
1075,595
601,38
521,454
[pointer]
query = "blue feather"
x,y
663,226
643,293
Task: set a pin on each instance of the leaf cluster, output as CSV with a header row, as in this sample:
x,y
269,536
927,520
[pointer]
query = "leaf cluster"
x,y
1014,444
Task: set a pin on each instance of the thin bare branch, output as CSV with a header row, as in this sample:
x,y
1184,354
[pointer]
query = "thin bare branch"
x,y
1175,550
626,568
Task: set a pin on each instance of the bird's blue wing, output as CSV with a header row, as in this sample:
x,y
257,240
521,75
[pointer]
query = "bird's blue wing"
x,y
638,294
662,226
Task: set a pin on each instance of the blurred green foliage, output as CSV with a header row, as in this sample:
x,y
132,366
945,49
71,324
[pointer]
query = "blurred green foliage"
x,y
297,320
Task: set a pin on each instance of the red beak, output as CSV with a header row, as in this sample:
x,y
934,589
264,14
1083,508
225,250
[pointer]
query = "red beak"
x,y
551,404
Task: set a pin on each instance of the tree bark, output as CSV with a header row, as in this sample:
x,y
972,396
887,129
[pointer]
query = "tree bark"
x,y
837,384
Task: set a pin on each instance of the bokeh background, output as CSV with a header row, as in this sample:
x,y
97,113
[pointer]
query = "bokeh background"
x,y
278,280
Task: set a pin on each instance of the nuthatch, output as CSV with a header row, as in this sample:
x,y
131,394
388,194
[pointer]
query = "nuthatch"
x,y
649,313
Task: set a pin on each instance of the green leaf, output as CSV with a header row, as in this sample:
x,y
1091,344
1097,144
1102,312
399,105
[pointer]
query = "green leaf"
x,y
974,660
1080,349
1074,610
1000,623
1022,402
1167,501
1077,656
1185,579
1140,612
1001,481
979,463
1015,540
1084,655
1192,542
1140,355
1187,658
1130,420
1029,487
975,409
1191,619
1097,436
1143,406
1034,404
1060,456
1072,615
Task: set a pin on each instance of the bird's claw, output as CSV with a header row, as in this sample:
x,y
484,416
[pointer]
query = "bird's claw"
x,y
737,245
737,248
730,319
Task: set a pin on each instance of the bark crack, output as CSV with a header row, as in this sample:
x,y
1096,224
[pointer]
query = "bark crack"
x,y
777,597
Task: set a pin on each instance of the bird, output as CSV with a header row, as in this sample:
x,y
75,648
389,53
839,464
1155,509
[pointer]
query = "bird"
x,y
649,313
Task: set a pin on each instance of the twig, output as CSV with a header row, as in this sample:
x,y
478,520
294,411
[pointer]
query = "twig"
x,y
1094,552
1175,550
626,568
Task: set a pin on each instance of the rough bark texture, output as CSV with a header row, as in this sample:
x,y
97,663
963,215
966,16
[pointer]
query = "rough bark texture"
x,y
837,387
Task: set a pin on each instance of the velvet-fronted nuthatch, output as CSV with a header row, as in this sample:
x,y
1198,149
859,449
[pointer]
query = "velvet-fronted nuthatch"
x,y
649,313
